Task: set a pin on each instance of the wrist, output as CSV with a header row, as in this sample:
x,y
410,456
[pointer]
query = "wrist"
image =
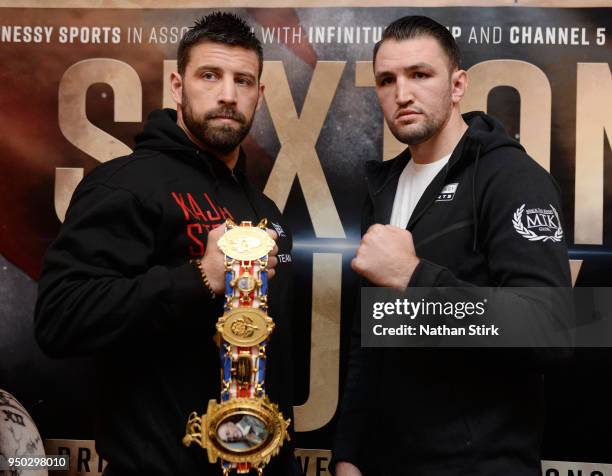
x,y
404,280
198,264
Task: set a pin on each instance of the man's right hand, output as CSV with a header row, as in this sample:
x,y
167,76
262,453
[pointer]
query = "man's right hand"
x,y
344,468
213,261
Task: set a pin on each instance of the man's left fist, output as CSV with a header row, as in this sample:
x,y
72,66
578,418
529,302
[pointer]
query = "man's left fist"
x,y
386,256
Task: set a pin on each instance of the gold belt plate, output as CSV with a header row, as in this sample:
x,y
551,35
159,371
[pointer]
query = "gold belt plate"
x,y
245,326
246,243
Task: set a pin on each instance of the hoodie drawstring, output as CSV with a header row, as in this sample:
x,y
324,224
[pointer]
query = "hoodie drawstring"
x,y
474,202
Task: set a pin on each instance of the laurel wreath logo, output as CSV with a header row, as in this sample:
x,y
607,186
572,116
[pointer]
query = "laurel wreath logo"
x,y
517,221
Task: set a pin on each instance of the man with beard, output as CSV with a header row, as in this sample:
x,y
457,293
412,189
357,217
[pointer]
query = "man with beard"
x,y
135,277
448,212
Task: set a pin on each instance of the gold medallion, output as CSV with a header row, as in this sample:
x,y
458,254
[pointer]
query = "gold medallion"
x,y
246,243
245,326
241,430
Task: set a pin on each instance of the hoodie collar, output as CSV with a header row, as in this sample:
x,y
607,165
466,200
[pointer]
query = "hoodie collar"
x,y
484,134
162,133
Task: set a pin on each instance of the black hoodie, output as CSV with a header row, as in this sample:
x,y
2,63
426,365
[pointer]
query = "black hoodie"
x,y
449,412
117,284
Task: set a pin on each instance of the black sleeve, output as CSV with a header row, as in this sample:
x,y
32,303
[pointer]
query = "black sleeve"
x,y
515,261
98,281
352,429
359,388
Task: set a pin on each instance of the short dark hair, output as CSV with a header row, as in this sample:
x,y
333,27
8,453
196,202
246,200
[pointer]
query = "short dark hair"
x,y
409,27
218,27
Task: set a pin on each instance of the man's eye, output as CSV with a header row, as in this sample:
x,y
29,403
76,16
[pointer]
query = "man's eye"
x,y
209,76
419,75
385,81
243,81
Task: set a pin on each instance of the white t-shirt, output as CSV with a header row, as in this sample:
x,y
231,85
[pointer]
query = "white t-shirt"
x,y
413,181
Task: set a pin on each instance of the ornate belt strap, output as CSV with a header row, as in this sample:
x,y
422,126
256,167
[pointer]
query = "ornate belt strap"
x,y
245,429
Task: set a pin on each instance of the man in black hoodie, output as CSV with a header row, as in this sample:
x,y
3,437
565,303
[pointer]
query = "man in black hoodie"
x,y
452,210
122,281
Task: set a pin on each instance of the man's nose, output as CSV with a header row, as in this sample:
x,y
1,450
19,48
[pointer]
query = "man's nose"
x,y
403,92
228,91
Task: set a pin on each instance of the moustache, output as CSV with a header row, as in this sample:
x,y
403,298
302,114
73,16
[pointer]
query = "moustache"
x,y
226,113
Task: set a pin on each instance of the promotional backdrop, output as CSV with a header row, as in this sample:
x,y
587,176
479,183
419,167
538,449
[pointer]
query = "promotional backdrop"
x,y
79,79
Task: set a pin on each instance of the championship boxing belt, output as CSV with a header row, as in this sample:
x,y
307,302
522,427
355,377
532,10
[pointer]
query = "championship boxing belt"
x,y
245,429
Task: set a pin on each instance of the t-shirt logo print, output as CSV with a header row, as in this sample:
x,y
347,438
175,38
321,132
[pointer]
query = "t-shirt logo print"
x,y
543,220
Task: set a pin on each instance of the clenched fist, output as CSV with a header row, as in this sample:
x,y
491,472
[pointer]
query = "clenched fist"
x,y
213,260
386,256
